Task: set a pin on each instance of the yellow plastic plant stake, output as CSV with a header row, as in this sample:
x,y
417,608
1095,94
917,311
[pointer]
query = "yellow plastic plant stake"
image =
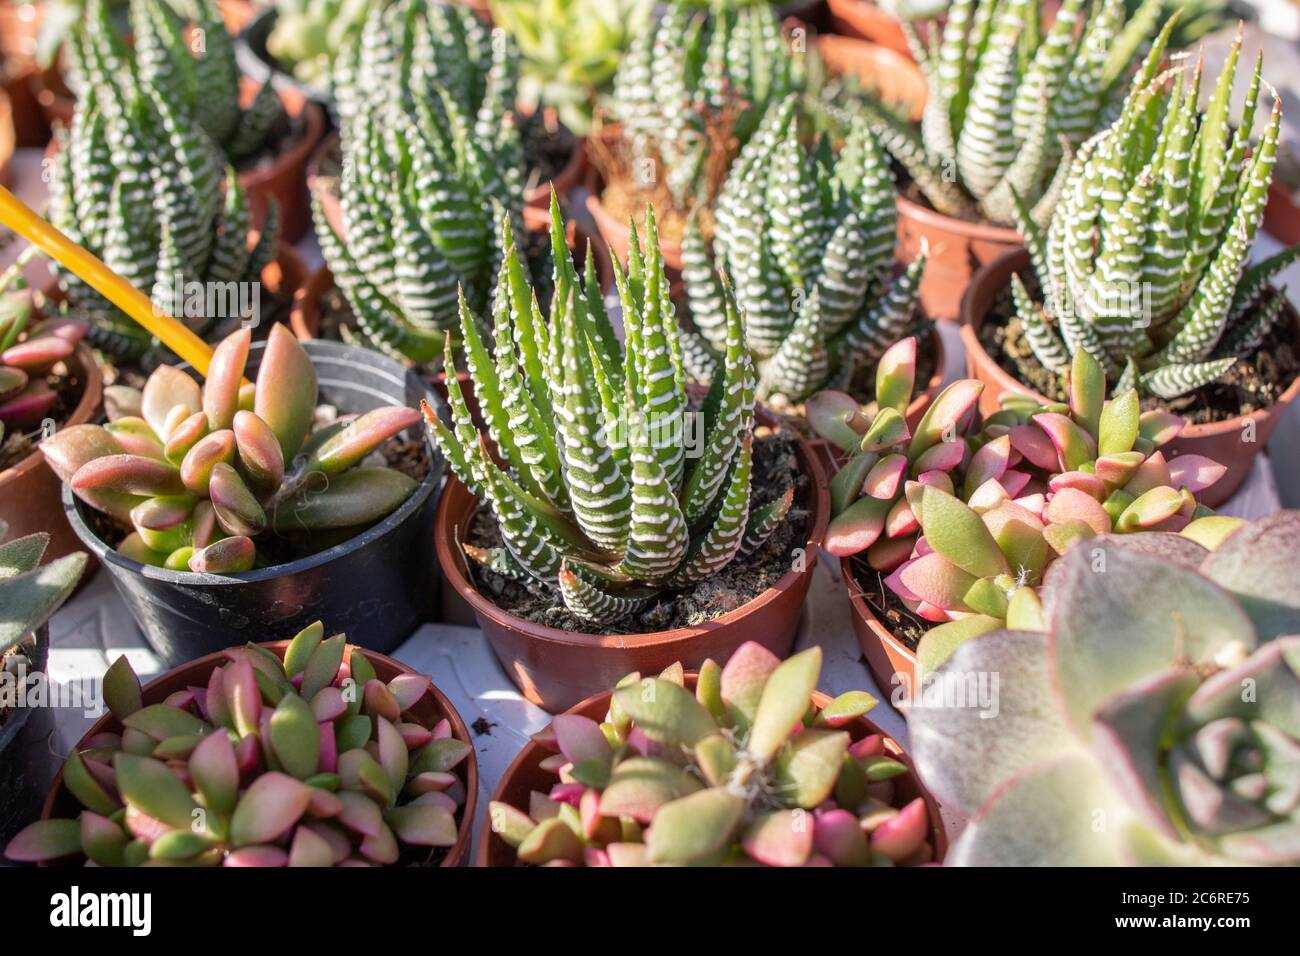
x,y
19,217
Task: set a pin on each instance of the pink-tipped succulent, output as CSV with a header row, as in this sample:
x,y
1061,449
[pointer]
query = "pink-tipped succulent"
x,y
307,761
1157,723
30,359
743,771
966,529
199,473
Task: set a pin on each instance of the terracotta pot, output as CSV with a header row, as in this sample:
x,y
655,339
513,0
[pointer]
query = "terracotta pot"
x,y
556,668
894,77
285,177
957,250
6,136
1221,441
891,662
31,495
1282,214
857,18
524,775
427,711
537,201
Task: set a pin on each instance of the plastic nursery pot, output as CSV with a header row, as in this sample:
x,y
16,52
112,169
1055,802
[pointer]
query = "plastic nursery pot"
x,y
376,587
556,668
7,137
894,78
857,18
1282,213
427,711
30,493
1233,442
256,61
524,775
284,176
25,758
957,251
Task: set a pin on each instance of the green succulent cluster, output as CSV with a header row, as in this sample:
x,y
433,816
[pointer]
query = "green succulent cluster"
x,y
1162,702
432,162
570,50
692,72
747,770
808,240
596,498
309,33
1010,99
139,184
309,760
1144,264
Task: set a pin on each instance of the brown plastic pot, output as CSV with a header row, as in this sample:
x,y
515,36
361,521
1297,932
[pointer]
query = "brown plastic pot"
x,y
895,78
427,711
7,137
866,21
285,177
1282,214
556,669
525,775
31,495
1224,442
957,250
891,662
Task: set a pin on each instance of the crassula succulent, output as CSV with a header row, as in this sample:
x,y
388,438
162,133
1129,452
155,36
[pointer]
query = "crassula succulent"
x,y
1155,723
745,770
199,473
30,356
692,76
1145,261
145,187
432,161
966,523
307,761
597,498
1009,99
808,241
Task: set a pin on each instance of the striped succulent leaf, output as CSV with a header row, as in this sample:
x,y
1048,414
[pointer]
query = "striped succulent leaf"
x,y
590,486
140,185
681,76
808,239
1144,264
1010,98
431,158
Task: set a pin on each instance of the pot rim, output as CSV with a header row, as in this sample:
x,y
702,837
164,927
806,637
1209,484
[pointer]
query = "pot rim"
x,y
863,609
464,830
970,231
72,509
456,571
86,409
297,153
1012,261
260,25
531,751
886,58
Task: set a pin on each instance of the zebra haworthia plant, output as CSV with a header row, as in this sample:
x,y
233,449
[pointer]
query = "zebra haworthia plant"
x,y
966,524
137,183
597,499
430,153
690,72
190,62
1144,264
199,473
745,770
1009,100
1163,699
808,240
307,761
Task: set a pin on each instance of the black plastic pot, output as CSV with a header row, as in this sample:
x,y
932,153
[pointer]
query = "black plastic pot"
x,y
27,764
254,60
376,587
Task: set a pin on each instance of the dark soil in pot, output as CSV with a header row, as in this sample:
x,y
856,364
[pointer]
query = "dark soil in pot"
x,y
885,604
1252,385
775,467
